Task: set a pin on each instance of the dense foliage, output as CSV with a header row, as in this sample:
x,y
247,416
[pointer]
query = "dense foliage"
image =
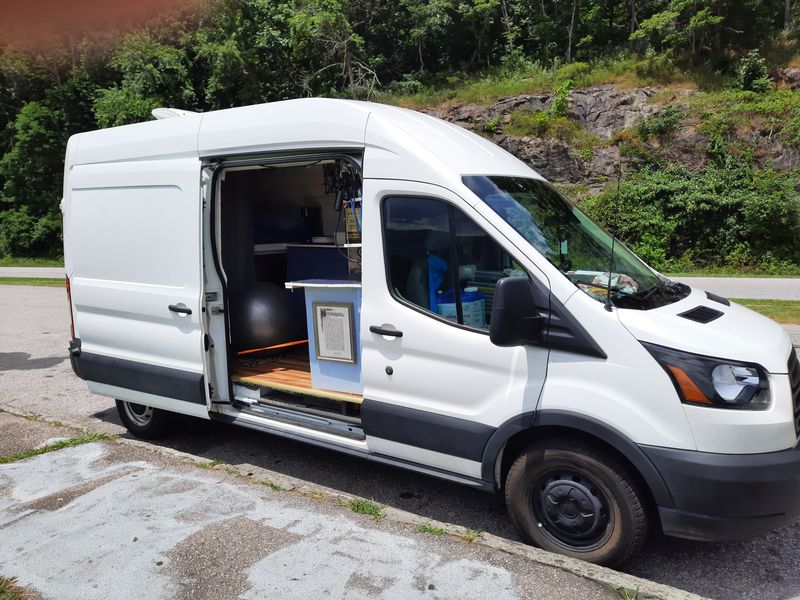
x,y
223,53
728,214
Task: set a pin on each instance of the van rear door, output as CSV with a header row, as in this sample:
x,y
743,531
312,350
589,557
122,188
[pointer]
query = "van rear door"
x,y
133,257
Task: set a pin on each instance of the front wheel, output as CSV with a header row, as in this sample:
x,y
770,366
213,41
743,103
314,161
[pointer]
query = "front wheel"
x,y
578,500
144,421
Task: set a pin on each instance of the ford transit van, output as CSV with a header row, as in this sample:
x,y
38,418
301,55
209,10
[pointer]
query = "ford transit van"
x,y
381,283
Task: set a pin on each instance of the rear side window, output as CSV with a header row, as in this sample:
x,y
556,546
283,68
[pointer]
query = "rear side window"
x,y
441,261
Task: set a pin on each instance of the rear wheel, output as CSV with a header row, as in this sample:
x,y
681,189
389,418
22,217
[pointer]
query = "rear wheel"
x,y
144,421
577,500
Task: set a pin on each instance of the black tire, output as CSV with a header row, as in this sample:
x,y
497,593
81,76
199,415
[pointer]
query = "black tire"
x,y
145,422
575,499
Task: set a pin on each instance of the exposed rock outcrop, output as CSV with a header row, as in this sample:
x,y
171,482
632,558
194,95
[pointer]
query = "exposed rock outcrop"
x,y
606,111
790,77
602,110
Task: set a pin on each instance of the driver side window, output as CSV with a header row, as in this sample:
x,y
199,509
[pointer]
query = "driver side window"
x,y
441,261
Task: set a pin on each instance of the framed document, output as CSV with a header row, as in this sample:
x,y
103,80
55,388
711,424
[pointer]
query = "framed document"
x,y
334,331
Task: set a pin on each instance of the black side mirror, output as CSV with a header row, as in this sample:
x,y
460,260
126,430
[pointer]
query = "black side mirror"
x,y
515,320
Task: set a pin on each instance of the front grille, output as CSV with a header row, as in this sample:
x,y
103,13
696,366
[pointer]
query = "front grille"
x,y
794,382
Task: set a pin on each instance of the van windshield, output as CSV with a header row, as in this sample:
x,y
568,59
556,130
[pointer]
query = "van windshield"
x,y
572,242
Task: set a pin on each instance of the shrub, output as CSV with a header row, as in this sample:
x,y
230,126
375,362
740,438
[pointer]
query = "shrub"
x,y
492,125
409,85
573,71
544,125
24,235
753,74
667,120
727,214
655,66
560,105
525,122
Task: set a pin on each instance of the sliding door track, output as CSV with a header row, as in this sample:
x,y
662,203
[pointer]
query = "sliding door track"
x,y
315,420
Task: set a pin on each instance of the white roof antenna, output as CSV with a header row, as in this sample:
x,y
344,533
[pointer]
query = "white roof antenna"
x,y
168,113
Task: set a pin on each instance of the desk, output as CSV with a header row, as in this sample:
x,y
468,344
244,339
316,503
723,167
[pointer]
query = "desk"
x,y
335,359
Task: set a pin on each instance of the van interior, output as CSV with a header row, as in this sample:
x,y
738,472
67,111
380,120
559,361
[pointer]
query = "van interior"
x,y
289,241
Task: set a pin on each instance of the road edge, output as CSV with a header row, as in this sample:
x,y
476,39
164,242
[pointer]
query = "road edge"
x,y
615,580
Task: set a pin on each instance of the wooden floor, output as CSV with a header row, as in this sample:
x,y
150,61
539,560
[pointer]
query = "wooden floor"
x,y
289,373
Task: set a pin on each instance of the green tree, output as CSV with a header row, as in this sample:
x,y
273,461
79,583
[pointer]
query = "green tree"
x,y
31,174
327,28
152,74
683,24
429,21
245,55
695,27
480,18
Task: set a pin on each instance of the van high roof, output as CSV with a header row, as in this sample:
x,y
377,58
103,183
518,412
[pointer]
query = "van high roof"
x,y
395,140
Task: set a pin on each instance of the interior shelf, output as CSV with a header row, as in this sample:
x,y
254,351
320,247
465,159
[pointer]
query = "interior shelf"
x,y
289,373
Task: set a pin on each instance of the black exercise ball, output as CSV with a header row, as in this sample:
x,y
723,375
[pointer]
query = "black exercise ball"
x,y
262,315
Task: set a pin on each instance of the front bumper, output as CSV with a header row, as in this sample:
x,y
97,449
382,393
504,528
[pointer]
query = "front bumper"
x,y
720,497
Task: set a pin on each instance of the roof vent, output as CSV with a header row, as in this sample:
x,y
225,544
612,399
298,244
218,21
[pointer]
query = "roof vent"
x,y
720,299
702,314
168,113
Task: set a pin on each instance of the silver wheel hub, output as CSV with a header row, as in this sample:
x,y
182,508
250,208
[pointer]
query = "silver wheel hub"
x,y
138,414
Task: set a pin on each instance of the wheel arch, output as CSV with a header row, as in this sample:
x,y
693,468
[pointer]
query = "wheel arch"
x,y
514,435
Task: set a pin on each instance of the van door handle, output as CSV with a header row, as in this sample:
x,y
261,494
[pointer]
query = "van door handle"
x,y
183,310
383,331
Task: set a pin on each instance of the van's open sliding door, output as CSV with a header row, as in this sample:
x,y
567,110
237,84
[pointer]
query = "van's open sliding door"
x,y
134,263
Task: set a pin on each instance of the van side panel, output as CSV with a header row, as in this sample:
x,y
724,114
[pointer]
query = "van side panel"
x,y
133,251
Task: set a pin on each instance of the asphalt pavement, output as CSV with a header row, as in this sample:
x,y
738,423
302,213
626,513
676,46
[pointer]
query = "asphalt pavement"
x,y
35,376
39,272
755,288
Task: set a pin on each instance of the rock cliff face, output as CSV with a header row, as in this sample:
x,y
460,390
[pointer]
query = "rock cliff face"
x,y
604,111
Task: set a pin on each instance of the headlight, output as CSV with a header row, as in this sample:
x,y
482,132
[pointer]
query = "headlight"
x,y
707,381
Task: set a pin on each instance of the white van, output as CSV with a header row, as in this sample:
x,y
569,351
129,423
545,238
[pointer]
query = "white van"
x,y
382,283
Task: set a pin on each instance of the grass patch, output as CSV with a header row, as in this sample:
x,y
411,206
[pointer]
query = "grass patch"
x,y
60,445
544,125
208,465
270,484
532,78
472,535
314,495
36,281
365,507
660,125
432,529
9,589
775,113
17,261
782,311
627,593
